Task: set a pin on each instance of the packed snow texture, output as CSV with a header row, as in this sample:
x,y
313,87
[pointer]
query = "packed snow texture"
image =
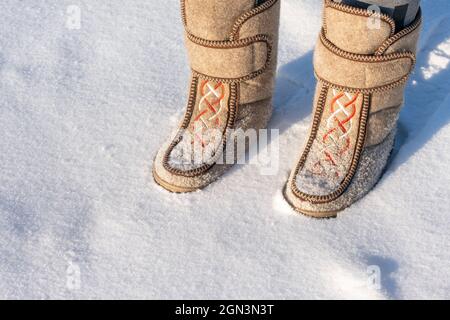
x,y
83,112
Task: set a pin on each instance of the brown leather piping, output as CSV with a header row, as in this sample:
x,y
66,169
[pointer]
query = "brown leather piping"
x,y
248,15
183,12
308,213
231,45
234,42
365,13
389,42
367,59
359,12
356,156
234,34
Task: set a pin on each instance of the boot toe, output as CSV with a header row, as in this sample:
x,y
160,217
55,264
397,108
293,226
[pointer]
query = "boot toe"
x,y
177,182
370,169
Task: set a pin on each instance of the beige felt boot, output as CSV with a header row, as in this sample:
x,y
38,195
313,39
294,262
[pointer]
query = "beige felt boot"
x,y
362,66
232,48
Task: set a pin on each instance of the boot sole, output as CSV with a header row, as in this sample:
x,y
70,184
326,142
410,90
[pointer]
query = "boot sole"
x,y
170,187
311,214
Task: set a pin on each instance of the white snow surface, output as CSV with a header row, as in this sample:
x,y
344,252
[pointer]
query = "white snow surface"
x,y
83,113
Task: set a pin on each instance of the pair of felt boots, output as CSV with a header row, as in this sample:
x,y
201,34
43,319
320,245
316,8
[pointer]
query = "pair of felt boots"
x,y
361,67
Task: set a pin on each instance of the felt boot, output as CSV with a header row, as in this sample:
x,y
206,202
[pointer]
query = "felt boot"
x,y
232,48
362,65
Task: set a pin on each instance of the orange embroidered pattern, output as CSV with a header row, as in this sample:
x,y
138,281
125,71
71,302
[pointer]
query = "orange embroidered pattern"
x,y
339,126
210,106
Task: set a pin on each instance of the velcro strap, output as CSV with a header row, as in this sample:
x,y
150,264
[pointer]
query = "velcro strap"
x,y
360,72
239,60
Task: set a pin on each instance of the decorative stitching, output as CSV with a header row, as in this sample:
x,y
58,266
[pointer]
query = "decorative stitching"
x,y
183,12
248,15
366,13
404,32
232,45
233,42
356,156
366,59
338,130
359,12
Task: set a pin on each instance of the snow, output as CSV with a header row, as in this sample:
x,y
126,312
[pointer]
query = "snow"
x,y
83,112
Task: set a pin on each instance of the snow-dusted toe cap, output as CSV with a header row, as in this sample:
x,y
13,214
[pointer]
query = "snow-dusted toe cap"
x,y
361,80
